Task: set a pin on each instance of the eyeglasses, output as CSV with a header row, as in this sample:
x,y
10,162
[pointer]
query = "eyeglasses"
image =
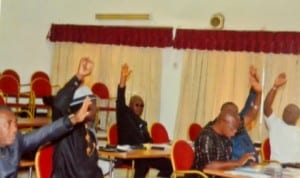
x,y
139,105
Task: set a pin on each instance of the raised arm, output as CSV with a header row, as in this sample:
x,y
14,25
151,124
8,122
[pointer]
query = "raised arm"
x,y
257,89
121,103
65,95
55,130
279,81
125,73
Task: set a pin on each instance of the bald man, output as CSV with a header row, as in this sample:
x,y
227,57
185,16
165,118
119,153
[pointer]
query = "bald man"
x,y
283,133
213,148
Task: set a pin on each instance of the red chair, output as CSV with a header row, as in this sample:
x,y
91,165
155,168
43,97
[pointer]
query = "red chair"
x,y
101,91
13,73
40,74
265,150
40,89
194,130
112,135
10,88
43,161
44,75
112,139
159,133
182,157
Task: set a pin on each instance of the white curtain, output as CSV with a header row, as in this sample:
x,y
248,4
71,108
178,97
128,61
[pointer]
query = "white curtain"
x,y
144,62
210,78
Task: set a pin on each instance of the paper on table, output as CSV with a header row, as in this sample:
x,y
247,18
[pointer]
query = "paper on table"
x,y
248,174
124,147
291,171
161,145
253,171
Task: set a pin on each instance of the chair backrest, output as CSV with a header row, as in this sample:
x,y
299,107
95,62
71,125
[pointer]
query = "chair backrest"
x,y
182,155
40,74
194,130
11,72
265,150
43,161
9,85
100,90
112,135
41,87
159,133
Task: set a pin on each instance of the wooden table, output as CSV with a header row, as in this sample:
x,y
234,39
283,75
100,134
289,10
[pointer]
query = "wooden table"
x,y
27,164
134,154
35,122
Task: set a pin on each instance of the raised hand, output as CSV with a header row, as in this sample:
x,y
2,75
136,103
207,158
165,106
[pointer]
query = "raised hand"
x,y
82,113
253,73
254,80
280,80
125,73
85,68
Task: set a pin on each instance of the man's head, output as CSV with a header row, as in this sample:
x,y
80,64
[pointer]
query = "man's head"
x,y
8,126
80,94
230,106
228,123
291,114
136,104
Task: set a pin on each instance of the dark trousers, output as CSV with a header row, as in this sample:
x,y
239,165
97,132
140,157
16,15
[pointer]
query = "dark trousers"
x,y
142,167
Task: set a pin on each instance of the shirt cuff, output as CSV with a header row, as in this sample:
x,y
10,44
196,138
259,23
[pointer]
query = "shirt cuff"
x,y
67,123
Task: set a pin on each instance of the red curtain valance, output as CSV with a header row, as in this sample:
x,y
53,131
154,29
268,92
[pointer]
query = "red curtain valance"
x,y
132,36
251,41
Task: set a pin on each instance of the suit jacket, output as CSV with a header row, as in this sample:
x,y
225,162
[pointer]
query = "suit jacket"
x,y
132,129
10,156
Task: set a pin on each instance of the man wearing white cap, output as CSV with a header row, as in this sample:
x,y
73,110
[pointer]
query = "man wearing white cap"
x,y
75,155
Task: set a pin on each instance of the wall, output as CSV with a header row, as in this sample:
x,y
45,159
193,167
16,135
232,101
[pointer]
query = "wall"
x,y
24,26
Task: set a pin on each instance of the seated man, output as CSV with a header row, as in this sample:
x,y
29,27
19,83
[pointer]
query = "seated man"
x,y
241,142
133,130
13,144
283,133
213,147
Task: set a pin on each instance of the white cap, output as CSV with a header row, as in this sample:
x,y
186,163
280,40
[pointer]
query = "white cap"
x,y
80,94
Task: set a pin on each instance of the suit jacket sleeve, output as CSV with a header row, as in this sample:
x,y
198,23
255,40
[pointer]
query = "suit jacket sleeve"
x,y
64,98
34,139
